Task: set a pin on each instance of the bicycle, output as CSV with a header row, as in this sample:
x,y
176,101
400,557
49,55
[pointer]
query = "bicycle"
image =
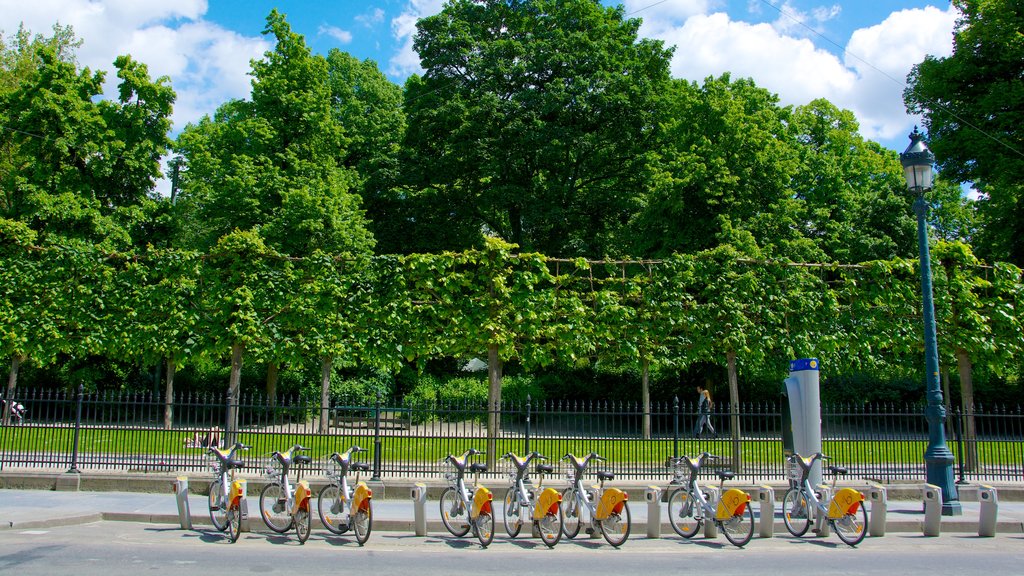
x,y
280,507
845,512
333,497
226,493
457,502
610,515
689,509
545,509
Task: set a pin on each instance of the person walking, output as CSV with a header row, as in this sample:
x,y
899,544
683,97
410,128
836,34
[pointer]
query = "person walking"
x,y
704,406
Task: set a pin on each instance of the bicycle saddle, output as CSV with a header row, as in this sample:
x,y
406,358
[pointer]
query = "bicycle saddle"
x,y
303,459
837,470
476,467
545,469
360,467
726,474
602,475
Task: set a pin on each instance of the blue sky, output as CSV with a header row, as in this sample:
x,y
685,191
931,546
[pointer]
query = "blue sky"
x,y
856,53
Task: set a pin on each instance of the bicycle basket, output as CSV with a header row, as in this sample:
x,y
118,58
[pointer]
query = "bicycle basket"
x,y
213,462
332,469
273,468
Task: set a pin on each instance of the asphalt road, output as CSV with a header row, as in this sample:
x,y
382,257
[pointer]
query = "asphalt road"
x,y
116,548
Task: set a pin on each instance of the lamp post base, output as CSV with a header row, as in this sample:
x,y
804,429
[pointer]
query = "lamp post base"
x,y
939,471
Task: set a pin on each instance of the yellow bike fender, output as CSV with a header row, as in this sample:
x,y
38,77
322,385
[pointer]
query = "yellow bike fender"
x,y
237,492
733,502
547,502
845,502
611,502
302,494
361,499
482,501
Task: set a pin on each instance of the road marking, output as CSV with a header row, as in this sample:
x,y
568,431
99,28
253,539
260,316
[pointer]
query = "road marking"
x,y
35,532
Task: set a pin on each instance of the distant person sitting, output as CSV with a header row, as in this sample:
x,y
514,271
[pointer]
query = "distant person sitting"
x,y
209,440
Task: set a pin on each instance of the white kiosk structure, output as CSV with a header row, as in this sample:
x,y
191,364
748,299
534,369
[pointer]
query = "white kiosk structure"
x,y
802,388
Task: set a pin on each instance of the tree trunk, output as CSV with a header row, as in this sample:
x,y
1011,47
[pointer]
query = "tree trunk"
x,y
325,394
966,369
734,413
234,389
12,385
493,402
272,375
645,394
172,368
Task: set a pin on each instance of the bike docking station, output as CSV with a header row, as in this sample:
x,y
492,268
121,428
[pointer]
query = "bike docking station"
x,y
766,512
801,425
180,488
419,507
652,494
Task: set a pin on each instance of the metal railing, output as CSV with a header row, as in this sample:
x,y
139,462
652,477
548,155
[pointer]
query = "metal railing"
x,y
124,431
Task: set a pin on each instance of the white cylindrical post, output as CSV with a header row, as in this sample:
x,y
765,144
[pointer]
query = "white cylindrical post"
x,y
180,487
419,506
879,498
989,512
932,496
653,496
766,499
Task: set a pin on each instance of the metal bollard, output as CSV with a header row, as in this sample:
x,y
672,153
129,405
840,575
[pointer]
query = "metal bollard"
x,y
180,487
932,496
821,527
710,528
989,511
879,498
419,507
243,506
766,499
653,496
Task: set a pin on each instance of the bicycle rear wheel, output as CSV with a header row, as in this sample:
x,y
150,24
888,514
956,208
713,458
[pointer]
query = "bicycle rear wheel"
x,y
570,513
682,513
852,528
453,513
362,524
550,528
616,526
740,528
303,524
274,508
234,520
332,510
512,514
218,506
796,512
483,525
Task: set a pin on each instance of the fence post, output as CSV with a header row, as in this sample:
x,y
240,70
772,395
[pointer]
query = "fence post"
x,y
78,426
229,432
960,446
527,424
675,428
376,441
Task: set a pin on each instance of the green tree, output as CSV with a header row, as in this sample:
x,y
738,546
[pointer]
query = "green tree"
x,y
532,122
972,103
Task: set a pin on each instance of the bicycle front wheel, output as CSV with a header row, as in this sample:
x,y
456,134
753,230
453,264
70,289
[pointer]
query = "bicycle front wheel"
x,y
740,528
274,508
453,513
483,525
570,513
616,526
332,509
218,507
682,513
512,515
362,524
303,524
852,528
796,512
234,520
550,528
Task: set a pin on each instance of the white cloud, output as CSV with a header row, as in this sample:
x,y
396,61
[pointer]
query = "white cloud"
x,y
371,18
793,21
403,27
208,64
883,55
343,36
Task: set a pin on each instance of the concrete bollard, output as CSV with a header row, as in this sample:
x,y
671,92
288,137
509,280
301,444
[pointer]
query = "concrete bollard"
x,y
419,506
879,498
180,488
932,496
243,507
710,528
821,527
653,496
766,499
989,511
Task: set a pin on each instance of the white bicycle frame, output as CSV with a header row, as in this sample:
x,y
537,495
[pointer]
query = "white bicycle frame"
x,y
584,499
707,509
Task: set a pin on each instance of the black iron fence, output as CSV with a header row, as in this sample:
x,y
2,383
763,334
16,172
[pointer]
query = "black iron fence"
x,y
139,432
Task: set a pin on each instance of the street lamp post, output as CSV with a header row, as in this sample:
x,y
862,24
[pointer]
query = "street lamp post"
x,y
917,163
